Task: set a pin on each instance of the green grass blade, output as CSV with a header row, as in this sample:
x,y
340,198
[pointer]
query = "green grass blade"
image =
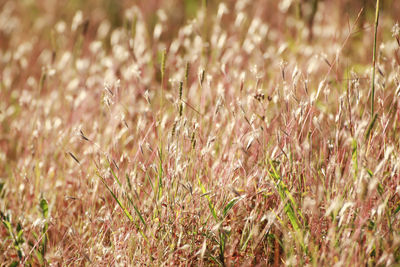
x,y
396,210
371,125
230,205
284,194
150,182
292,216
127,213
210,205
140,215
137,211
114,175
44,207
45,212
128,181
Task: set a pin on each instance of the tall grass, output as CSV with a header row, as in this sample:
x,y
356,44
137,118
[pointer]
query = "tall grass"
x,y
212,133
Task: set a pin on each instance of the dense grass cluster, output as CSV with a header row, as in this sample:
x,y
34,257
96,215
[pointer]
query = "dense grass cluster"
x,y
199,133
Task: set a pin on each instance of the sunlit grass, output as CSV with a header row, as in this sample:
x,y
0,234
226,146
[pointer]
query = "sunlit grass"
x,y
200,133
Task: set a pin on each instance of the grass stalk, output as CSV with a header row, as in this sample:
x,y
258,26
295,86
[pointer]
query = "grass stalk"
x,y
374,59
163,59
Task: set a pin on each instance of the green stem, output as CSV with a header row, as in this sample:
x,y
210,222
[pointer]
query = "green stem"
x,y
374,59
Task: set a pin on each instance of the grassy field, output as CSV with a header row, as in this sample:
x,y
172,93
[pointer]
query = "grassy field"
x,y
198,133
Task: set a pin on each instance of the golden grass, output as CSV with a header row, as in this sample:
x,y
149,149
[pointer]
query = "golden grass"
x,y
199,133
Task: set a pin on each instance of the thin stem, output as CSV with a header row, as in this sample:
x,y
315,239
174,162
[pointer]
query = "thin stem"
x,y
374,59
163,59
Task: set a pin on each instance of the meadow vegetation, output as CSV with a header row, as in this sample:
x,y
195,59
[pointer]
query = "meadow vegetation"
x,y
182,132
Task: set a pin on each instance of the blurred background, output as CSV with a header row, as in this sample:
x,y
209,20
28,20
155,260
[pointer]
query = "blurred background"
x,y
38,17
